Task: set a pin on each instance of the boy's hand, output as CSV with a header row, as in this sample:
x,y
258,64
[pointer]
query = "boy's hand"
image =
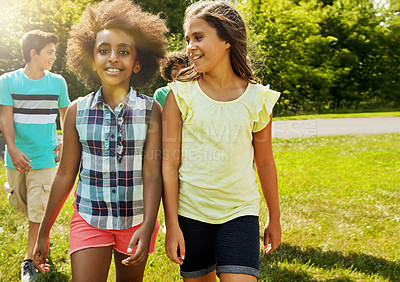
x,y
19,160
175,245
40,260
139,245
273,234
58,151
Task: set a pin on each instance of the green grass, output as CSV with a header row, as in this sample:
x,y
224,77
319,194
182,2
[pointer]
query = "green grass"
x,y
340,206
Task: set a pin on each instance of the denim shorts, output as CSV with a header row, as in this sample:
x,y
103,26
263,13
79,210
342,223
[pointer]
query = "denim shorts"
x,y
230,247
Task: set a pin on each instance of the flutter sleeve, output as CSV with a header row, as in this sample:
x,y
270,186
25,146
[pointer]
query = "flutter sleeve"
x,y
182,97
265,101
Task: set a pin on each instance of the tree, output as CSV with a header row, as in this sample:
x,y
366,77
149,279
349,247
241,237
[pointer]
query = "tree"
x,y
18,17
171,10
325,56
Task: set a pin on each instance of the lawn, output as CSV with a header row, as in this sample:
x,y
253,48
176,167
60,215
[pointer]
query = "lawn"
x,y
340,205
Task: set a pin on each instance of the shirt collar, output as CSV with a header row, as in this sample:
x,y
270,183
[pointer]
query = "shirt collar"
x,y
129,101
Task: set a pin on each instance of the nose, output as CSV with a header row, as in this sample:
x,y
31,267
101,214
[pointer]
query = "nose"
x,y
190,46
113,57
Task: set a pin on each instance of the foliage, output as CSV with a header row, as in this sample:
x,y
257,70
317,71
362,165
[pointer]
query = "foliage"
x,y
325,55
342,115
18,17
171,10
339,206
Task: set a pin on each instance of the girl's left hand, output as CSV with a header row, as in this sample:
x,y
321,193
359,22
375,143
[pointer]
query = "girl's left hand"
x,y
141,240
272,235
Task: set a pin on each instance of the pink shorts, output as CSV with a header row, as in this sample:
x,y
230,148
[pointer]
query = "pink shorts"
x,y
83,236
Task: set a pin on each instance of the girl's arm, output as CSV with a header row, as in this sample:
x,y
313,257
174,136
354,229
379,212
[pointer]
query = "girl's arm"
x,y
152,188
62,185
172,132
266,171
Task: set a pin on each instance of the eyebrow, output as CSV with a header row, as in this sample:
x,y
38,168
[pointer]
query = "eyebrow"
x,y
194,33
119,45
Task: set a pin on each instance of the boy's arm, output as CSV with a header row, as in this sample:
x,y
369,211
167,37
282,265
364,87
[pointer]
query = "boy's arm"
x,y
266,170
152,188
62,185
172,134
19,160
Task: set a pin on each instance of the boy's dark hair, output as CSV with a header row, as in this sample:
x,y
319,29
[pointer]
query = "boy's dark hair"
x,y
175,57
36,39
230,27
147,29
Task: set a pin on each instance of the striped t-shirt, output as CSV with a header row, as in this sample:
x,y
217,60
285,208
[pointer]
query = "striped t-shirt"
x,y
36,104
109,193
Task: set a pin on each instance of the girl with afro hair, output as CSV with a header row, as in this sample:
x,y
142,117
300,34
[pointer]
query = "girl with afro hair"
x,y
112,141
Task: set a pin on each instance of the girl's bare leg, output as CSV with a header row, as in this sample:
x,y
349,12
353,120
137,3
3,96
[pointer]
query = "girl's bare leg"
x,y
91,264
237,277
209,277
133,273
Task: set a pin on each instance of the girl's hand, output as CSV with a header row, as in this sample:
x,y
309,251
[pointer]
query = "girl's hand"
x,y
141,242
272,235
175,245
40,260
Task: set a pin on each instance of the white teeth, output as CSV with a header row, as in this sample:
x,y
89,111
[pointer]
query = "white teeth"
x,y
113,70
196,57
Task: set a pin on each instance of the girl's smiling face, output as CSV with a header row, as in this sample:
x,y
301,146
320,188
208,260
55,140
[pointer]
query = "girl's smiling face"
x,y
114,57
203,45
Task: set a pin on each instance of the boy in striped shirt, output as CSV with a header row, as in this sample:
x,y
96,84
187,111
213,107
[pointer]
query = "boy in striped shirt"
x,y
30,99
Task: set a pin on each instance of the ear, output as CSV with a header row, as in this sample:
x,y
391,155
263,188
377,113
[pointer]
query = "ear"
x,y
227,45
137,67
93,66
33,53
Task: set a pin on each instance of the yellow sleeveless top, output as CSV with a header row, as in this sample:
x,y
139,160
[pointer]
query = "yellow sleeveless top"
x,y
217,176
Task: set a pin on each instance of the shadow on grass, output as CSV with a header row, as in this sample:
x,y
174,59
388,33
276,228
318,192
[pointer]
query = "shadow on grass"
x,y
329,260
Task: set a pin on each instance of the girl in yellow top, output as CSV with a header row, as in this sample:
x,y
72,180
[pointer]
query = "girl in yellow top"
x,y
217,119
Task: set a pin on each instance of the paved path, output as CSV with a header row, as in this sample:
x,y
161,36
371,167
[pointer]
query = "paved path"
x,y
325,127
341,126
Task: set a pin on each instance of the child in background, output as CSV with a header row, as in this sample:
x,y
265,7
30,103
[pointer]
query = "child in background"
x,y
30,99
112,139
217,118
170,67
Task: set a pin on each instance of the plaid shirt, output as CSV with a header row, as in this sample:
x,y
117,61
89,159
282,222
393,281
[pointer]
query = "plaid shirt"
x,y
109,193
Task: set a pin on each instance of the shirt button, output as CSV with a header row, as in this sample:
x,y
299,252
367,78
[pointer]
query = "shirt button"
x,y
113,190
112,136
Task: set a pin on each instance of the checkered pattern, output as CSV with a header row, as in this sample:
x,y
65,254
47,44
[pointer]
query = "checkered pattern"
x,y
109,194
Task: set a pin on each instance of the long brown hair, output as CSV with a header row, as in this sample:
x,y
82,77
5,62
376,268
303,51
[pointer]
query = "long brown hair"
x,y
230,27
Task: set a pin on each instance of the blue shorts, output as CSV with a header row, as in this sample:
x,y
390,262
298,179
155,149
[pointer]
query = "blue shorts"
x,y
230,247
